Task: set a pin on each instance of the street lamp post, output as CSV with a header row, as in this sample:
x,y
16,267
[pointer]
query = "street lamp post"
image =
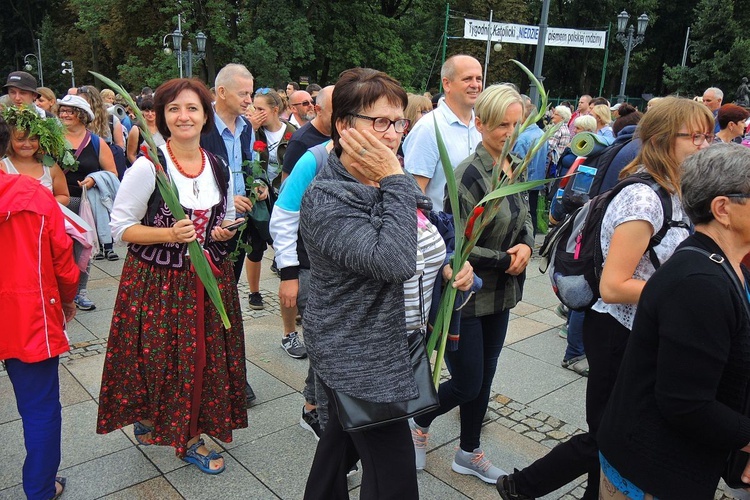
x,y
625,34
38,56
68,69
185,59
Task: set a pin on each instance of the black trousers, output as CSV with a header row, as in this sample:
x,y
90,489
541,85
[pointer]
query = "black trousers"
x,y
604,340
386,453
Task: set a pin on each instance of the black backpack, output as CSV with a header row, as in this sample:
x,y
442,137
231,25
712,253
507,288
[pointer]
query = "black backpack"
x,y
588,181
572,249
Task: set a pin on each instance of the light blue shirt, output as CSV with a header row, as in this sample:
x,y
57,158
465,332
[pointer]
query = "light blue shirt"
x,y
537,167
233,144
421,156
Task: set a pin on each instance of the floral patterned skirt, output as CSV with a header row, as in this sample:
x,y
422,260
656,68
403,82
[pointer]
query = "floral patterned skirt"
x,y
149,370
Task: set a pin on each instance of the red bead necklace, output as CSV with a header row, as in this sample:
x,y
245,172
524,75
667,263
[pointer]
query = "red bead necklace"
x,y
179,168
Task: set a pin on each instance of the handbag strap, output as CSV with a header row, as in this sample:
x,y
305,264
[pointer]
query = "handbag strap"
x,y
83,144
721,261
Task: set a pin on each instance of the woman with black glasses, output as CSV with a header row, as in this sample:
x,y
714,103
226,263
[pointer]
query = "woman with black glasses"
x,y
372,275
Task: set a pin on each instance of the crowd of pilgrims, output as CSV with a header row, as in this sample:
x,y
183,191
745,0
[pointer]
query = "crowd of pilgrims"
x,y
345,182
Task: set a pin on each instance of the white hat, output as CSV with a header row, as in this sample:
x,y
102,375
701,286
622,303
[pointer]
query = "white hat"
x,y
75,101
616,106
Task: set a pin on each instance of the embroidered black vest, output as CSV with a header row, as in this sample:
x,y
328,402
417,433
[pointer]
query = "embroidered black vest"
x,y
173,255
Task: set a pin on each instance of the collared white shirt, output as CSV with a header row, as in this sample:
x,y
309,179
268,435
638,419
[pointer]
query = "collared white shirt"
x,y
421,156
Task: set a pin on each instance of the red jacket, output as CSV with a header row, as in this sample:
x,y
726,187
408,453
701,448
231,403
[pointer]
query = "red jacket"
x,y
37,274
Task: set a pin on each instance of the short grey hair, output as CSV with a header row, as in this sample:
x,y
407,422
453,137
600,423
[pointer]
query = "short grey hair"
x,y
587,123
718,170
717,92
564,113
231,71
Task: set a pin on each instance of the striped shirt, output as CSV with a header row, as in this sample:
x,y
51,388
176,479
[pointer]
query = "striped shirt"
x,y
430,258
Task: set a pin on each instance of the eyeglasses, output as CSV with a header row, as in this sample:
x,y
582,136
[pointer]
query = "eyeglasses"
x,y
263,91
698,138
66,111
738,195
381,123
303,103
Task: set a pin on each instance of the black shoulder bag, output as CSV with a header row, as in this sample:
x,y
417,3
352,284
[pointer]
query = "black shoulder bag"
x,y
358,415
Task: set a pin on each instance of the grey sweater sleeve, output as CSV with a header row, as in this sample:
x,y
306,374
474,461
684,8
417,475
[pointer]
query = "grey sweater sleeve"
x,y
377,241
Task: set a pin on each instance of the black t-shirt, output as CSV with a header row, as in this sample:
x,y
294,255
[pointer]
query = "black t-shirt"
x,y
303,139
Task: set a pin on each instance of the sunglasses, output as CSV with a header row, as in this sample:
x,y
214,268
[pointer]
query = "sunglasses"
x,y
303,103
263,91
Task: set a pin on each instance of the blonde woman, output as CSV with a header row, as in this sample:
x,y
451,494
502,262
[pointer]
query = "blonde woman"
x,y
46,99
500,259
603,116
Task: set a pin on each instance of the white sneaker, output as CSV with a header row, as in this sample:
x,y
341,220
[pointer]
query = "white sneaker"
x,y
419,436
476,464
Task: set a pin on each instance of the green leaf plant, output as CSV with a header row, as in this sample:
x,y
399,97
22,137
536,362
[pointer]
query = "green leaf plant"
x,y
482,214
171,197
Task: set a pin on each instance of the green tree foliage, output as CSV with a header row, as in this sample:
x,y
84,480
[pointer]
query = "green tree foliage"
x,y
719,51
282,41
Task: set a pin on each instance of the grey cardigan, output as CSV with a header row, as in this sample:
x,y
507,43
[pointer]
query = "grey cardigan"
x,y
362,244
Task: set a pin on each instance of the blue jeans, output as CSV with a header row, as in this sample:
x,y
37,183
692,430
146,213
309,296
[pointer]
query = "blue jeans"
x,y
37,389
472,368
575,335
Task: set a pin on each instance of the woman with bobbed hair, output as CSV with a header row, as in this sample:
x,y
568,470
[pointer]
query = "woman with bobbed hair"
x,y
586,123
46,99
603,116
499,259
670,133
732,122
372,276
417,107
172,369
678,407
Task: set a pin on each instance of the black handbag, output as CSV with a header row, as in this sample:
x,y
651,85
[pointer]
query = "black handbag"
x,y
737,459
357,414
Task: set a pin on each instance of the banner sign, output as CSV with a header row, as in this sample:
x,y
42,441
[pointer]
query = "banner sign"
x,y
528,35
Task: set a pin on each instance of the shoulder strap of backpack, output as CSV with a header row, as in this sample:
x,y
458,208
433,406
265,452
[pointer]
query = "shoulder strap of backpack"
x,y
321,156
666,206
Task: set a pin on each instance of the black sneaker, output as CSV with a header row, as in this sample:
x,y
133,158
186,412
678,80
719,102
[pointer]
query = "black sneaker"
x,y
507,489
256,301
293,347
309,421
249,394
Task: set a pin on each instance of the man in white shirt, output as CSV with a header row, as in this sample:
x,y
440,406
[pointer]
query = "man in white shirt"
x,y
462,81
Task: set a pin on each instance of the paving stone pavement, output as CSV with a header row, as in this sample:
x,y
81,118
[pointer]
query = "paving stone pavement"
x,y
535,405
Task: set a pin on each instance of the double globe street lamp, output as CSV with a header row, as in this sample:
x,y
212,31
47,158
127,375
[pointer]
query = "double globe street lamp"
x,y
38,56
185,58
626,36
